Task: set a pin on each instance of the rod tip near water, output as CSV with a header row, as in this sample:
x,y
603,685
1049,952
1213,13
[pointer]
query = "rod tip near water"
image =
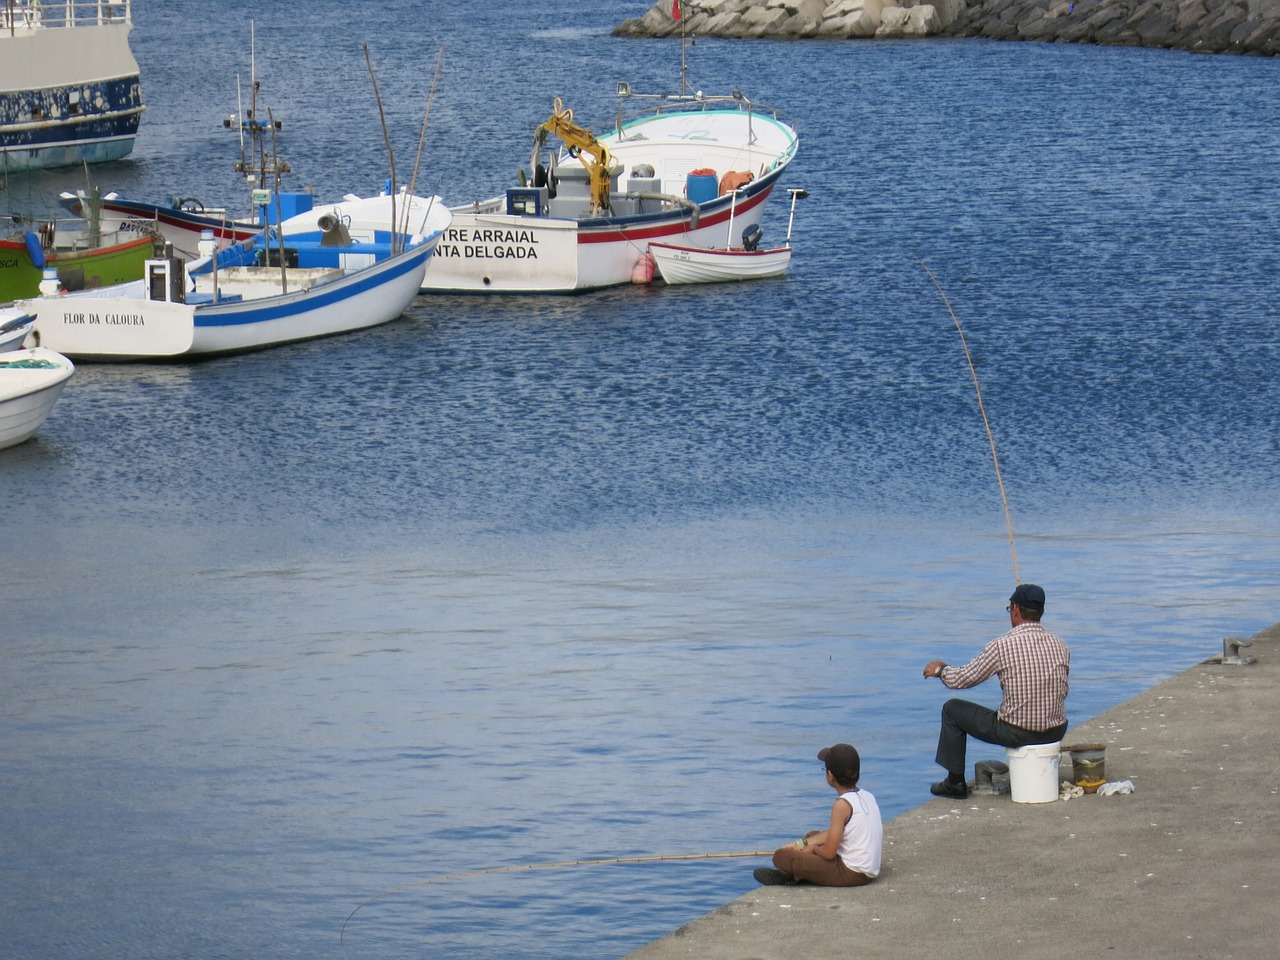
x,y
995,459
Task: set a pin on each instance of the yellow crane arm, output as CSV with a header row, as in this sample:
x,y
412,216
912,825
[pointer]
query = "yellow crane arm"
x,y
583,147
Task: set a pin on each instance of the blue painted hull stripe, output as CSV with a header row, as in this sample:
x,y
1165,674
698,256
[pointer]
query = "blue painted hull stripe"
x,y
241,313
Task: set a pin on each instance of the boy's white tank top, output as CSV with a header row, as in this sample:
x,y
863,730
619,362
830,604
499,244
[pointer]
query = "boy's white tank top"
x,y
863,835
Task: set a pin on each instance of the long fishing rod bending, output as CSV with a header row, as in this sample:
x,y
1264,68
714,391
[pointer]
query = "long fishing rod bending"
x,y
549,866
983,409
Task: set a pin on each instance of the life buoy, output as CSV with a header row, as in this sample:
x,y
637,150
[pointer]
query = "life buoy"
x,y
34,250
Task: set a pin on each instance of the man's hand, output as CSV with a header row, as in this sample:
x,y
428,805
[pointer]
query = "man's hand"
x,y
933,668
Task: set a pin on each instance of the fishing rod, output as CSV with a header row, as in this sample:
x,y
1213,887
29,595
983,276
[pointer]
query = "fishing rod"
x,y
982,408
656,858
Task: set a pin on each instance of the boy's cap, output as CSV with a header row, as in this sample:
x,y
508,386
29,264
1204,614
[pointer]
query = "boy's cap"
x,y
843,762
1027,596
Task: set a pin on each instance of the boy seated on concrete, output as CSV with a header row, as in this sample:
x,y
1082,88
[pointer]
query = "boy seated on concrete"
x,y
847,853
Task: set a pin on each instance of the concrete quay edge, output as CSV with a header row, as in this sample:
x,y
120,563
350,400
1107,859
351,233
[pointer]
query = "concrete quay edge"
x,y
1188,865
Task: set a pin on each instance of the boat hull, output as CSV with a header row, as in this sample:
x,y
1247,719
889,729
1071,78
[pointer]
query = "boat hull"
x,y
497,253
69,89
177,226
122,324
27,394
680,264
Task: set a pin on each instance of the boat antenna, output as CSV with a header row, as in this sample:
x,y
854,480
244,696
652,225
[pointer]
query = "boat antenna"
x,y
982,408
549,866
391,157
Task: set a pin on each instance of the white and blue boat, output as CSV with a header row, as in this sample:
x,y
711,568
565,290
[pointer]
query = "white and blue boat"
x,y
69,84
246,297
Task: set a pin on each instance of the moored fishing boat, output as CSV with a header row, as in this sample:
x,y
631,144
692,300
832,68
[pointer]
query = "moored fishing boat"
x,y
680,264
31,382
246,297
69,84
593,207
677,263
184,222
78,255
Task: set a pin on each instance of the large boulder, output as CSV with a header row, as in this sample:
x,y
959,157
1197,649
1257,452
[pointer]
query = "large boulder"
x,y
893,22
809,9
946,11
922,21
759,20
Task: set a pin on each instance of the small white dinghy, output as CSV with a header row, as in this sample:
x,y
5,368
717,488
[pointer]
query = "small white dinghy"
x,y
677,263
30,383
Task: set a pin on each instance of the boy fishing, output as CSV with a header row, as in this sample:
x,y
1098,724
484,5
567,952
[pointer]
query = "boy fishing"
x,y
847,853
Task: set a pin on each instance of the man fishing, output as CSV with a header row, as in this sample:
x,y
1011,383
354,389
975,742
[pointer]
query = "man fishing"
x,y
1032,665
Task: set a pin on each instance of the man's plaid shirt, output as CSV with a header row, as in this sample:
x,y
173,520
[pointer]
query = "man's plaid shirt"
x,y
1032,665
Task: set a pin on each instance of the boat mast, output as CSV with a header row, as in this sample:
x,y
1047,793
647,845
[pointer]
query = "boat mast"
x,y
684,66
258,173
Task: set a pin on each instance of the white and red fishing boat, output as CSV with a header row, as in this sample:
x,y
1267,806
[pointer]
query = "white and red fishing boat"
x,y
682,170
677,263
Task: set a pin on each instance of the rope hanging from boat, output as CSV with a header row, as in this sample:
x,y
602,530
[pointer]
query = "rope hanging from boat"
x,y
517,868
982,408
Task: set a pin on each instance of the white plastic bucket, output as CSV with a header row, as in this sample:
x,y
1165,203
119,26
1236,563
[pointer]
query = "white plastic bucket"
x,y
1033,772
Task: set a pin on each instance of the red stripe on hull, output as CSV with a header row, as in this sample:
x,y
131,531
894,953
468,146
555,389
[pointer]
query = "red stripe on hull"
x,y
671,229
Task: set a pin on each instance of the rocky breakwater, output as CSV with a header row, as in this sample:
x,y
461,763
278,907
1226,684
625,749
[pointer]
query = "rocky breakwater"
x,y
1207,26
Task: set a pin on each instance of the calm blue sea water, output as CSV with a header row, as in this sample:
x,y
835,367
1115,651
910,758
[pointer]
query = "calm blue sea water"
x,y
532,580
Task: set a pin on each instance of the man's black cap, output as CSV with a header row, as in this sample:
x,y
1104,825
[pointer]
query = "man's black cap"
x,y
1028,596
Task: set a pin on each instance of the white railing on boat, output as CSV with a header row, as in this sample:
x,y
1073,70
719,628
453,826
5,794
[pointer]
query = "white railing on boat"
x,y
35,14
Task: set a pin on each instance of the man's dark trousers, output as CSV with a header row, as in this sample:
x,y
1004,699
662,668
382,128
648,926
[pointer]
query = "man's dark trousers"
x,y
962,719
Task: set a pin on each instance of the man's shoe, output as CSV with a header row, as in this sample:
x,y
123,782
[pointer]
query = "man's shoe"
x,y
955,791
771,878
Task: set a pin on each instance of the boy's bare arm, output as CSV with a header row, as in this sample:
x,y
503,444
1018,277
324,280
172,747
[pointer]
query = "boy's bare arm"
x,y
829,846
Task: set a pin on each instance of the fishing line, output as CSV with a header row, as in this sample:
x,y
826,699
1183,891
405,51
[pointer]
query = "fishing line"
x,y
549,866
982,408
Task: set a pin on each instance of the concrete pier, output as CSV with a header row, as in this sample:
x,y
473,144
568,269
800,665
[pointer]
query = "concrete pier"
x,y
1207,26
1188,865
